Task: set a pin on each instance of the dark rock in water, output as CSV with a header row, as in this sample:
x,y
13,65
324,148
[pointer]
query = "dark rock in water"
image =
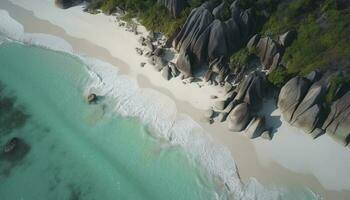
x,y
174,7
92,98
337,123
67,3
291,94
239,118
11,145
15,150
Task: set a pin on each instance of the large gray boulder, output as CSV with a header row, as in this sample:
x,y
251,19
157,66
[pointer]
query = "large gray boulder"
x,y
210,40
239,118
310,107
183,64
309,119
251,89
291,94
175,7
337,123
64,4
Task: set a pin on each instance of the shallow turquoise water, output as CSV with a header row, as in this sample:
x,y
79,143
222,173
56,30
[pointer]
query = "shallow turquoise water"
x,y
76,150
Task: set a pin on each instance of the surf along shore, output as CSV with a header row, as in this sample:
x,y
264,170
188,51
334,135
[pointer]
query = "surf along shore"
x,y
100,37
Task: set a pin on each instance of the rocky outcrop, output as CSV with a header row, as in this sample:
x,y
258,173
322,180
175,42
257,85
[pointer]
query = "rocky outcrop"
x,y
67,3
183,64
239,118
268,50
291,94
308,114
251,89
337,123
303,106
175,7
207,39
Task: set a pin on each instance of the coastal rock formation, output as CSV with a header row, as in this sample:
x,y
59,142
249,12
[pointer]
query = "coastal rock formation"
x,y
251,89
239,118
183,64
291,94
174,7
337,123
67,3
268,50
308,114
206,39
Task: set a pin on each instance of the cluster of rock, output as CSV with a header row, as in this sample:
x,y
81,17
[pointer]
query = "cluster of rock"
x,y
301,102
240,107
209,38
270,51
153,47
175,7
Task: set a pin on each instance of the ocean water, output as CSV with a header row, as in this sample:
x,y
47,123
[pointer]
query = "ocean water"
x,y
73,150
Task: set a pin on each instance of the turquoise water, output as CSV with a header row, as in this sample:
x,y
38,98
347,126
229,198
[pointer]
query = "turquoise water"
x,y
75,150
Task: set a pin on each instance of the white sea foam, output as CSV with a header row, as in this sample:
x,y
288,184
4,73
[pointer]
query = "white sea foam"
x,y
155,110
15,31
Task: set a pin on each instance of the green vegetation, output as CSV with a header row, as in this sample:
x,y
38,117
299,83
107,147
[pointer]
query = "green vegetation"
x,y
278,77
239,58
335,82
323,33
152,15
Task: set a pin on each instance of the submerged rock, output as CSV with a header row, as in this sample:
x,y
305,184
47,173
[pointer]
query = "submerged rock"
x,y
11,145
15,149
92,98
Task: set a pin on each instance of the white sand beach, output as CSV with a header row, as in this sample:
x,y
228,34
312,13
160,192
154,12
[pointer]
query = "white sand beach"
x,y
292,157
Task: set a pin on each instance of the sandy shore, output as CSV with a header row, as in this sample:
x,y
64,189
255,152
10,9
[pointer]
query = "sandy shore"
x,y
284,160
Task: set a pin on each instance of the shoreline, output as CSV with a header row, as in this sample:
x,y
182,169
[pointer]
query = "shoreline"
x,y
241,147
